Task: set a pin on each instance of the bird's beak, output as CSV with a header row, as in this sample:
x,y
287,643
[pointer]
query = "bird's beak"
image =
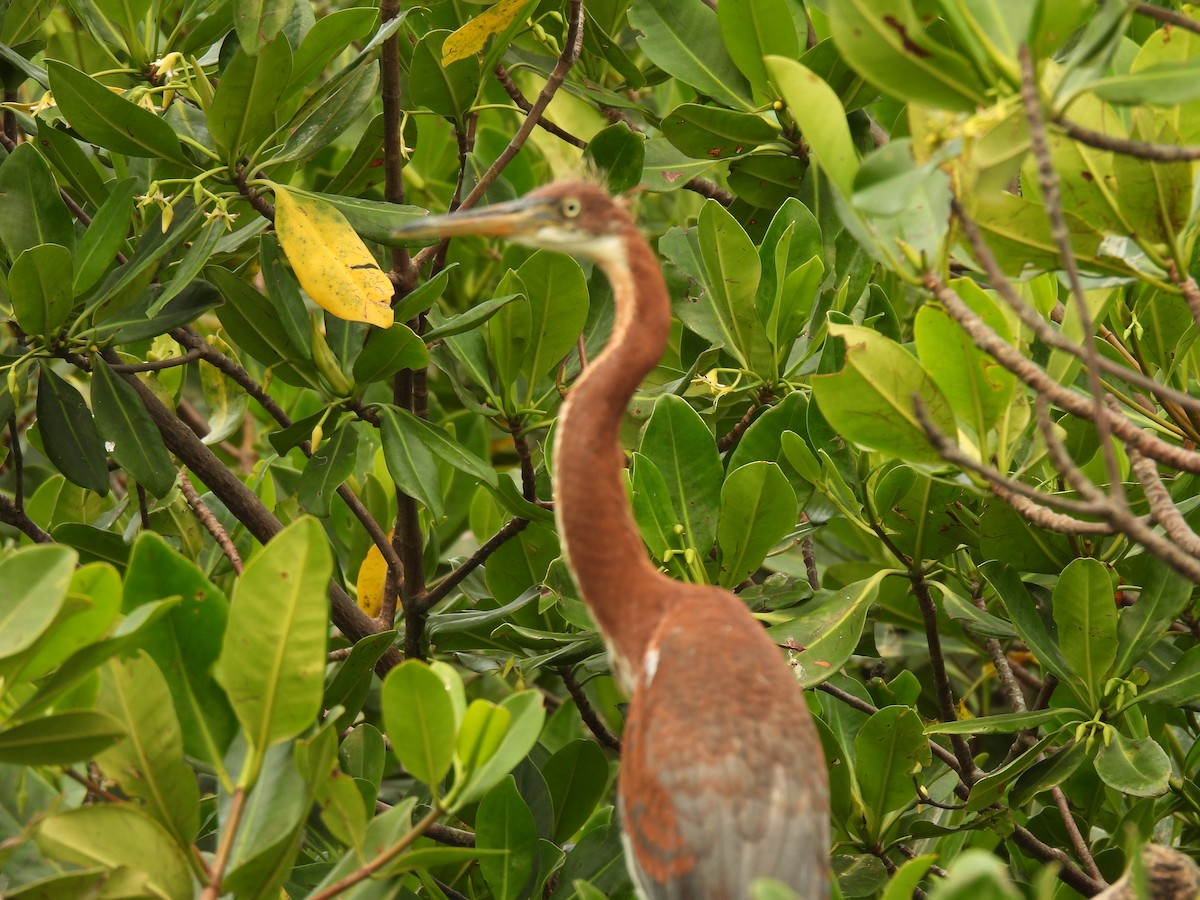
x,y
512,220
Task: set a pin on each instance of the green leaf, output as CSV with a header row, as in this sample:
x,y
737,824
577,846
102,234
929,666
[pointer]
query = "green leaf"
x,y
754,30
1179,687
410,463
245,107
655,515
484,762
258,22
819,113
1166,84
1047,773
96,583
448,91
1006,723
330,465
618,152
829,629
422,719
39,287
130,434
885,41
889,752
558,309
733,273
115,837
109,120
870,398
59,738
472,318
710,132
683,38
1086,616
1029,623
104,236
758,509
577,776
1165,594
317,125
679,444
441,445
69,433
36,580
342,809
149,764
504,823
284,293
1140,767
272,663
34,213
387,351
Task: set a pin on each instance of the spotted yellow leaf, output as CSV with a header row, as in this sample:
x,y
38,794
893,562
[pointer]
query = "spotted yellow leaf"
x,y
330,260
372,580
469,40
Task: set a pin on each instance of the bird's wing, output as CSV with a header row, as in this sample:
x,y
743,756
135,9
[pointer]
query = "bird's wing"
x,y
722,777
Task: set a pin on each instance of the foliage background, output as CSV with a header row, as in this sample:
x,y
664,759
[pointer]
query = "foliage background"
x,y
928,407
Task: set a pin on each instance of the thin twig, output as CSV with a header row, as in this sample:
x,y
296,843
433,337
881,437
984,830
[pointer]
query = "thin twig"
x,y
374,865
225,848
1052,200
156,365
518,98
17,518
210,523
93,787
587,712
1081,848
809,552
1169,16
1167,153
528,473
440,590
260,203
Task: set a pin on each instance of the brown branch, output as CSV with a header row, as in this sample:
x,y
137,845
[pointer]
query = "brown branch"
x,y
18,462
260,203
1162,507
1044,331
1169,16
225,848
92,787
1036,378
518,98
729,440
439,591
937,662
249,510
528,473
393,140
1052,200
159,364
378,862
1081,848
808,551
1068,872
10,514
210,523
587,712
1127,146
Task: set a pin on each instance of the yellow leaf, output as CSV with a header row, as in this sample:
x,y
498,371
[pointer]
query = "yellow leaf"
x,y
469,39
332,263
372,579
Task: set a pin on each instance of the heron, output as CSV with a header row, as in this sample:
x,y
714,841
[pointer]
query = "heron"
x,y
722,776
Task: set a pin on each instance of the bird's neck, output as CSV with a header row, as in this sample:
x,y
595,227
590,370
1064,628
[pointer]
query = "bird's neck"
x,y
626,594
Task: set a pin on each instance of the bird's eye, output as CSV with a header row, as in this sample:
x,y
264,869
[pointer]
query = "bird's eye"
x,y
571,207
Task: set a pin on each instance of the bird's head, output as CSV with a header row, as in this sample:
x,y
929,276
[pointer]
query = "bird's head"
x,y
572,217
